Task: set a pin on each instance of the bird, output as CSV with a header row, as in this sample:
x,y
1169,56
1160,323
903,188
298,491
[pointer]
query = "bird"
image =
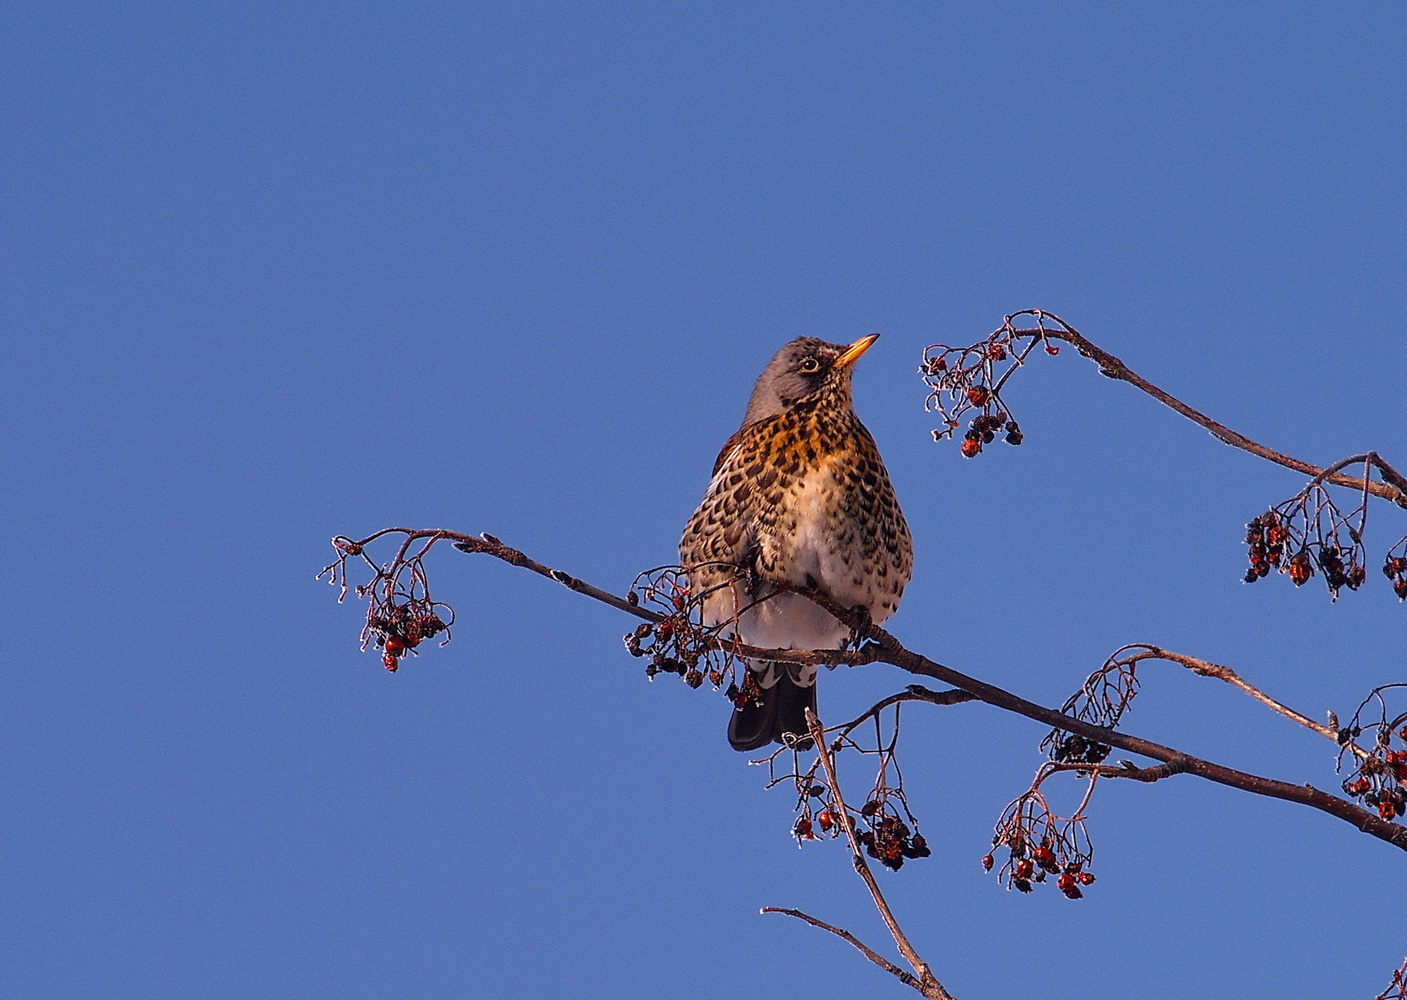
x,y
799,497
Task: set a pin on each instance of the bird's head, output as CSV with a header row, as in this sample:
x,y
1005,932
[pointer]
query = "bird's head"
x,y
802,369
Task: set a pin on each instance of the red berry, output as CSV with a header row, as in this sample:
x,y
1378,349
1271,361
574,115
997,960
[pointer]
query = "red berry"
x,y
1023,869
1052,349
1085,878
971,447
987,862
395,645
977,395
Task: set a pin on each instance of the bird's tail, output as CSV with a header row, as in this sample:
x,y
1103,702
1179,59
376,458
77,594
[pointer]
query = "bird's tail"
x,y
772,711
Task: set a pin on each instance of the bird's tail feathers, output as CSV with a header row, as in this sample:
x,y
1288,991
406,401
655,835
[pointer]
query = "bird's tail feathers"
x,y
773,712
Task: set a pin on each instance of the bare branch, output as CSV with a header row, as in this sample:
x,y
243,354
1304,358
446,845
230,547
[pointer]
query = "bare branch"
x,y
893,652
927,984
904,977
1206,668
1125,770
914,692
883,647
1393,487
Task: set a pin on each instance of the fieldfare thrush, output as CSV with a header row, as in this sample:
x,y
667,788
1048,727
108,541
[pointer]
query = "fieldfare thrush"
x,y
799,497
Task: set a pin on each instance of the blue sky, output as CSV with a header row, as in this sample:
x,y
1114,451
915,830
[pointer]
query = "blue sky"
x,y
269,274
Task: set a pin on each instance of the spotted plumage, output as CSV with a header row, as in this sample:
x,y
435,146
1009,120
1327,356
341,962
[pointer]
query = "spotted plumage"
x,y
799,496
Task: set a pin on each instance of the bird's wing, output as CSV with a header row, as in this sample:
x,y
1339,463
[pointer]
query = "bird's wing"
x,y
728,447
721,529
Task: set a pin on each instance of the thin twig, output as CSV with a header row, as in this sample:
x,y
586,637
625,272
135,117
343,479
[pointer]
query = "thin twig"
x,y
914,692
1392,488
1206,668
904,977
928,985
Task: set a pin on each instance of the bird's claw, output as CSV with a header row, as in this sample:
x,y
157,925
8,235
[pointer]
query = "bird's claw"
x,y
862,627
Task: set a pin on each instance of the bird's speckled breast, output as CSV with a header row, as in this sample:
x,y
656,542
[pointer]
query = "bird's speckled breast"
x,y
805,498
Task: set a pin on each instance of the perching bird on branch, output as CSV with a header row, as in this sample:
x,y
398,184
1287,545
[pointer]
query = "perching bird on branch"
x,y
799,496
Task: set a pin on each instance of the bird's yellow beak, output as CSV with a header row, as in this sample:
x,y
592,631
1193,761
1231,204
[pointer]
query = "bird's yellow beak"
x,y
853,352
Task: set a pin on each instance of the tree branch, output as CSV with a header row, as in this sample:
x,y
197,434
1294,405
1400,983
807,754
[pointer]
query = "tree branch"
x,y
904,977
894,653
1394,485
883,647
927,984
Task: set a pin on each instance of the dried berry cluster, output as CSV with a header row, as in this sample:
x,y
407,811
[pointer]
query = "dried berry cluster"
x,y
1380,780
888,839
814,822
1023,869
984,430
1101,701
400,613
1395,569
966,378
1068,748
886,836
1039,846
1397,989
1308,535
678,644
399,628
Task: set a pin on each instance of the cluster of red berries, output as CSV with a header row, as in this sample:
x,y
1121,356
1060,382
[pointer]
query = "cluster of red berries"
x,y
985,428
970,382
805,828
673,651
749,691
1267,538
1042,862
399,628
934,366
1395,569
1337,573
1380,778
888,839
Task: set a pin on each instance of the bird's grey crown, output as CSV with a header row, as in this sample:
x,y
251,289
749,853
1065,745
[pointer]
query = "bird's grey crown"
x,y
783,382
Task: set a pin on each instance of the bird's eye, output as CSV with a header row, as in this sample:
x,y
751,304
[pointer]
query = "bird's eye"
x,y
809,365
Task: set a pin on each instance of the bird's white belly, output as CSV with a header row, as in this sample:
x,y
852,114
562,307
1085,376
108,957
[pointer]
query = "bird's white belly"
x,y
812,556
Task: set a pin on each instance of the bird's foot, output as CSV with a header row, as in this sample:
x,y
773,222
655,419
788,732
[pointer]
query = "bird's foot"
x,y
862,628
